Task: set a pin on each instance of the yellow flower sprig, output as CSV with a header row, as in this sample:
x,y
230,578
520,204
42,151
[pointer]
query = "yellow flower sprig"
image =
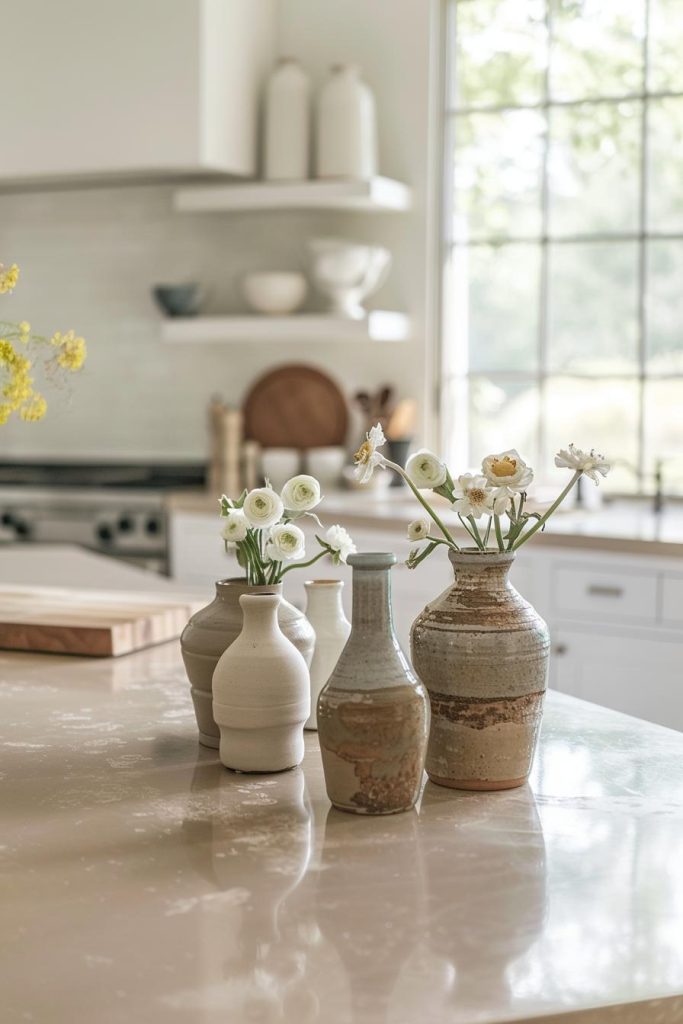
x,y
17,392
8,278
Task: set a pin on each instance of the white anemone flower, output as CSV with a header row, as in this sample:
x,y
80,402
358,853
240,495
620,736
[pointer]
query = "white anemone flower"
x,y
419,529
367,457
235,526
426,470
474,496
263,508
508,470
286,543
341,542
591,463
301,493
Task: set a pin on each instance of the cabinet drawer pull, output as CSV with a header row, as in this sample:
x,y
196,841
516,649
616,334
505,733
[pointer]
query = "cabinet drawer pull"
x,y
598,590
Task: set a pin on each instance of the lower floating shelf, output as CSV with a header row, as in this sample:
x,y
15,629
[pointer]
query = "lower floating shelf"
x,y
378,325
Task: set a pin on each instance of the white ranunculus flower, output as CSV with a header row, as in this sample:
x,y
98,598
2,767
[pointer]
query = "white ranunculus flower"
x,y
419,529
263,508
367,458
301,493
286,543
507,470
340,541
474,496
591,463
235,526
426,470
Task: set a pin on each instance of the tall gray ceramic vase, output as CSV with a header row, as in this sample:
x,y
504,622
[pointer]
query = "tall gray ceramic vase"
x,y
373,713
482,652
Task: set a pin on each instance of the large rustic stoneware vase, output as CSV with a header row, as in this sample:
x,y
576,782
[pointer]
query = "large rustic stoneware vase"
x,y
211,631
373,713
261,693
325,612
482,652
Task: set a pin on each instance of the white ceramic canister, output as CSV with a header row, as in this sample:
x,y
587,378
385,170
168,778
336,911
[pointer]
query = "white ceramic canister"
x,y
325,612
346,126
287,117
261,693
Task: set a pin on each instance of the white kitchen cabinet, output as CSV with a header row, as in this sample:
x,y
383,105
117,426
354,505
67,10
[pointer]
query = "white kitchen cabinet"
x,y
158,87
639,675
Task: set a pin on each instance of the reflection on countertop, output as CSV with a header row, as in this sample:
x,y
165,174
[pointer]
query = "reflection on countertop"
x,y
628,525
144,882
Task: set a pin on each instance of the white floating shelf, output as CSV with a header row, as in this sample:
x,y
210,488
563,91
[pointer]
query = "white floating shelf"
x,y
371,195
379,325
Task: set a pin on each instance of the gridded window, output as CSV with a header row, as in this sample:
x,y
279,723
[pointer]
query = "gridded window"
x,y
563,275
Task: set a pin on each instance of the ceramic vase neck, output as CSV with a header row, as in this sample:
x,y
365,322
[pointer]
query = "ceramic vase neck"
x,y
478,570
260,614
324,597
372,593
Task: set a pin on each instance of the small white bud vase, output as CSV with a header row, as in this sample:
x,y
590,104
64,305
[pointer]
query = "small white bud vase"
x,y
346,126
325,612
261,693
286,142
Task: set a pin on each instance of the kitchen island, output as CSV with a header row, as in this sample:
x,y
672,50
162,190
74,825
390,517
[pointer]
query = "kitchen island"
x,y
142,882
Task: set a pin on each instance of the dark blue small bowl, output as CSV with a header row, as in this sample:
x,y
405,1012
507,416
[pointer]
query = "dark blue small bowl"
x,y
178,299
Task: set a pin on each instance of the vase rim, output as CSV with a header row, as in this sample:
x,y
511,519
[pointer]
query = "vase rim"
x,y
473,557
324,583
372,560
239,583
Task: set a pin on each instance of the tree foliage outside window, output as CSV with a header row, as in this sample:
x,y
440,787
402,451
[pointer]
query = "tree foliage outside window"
x,y
563,280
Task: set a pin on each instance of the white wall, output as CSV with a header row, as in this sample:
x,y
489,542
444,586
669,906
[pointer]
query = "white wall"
x,y
90,257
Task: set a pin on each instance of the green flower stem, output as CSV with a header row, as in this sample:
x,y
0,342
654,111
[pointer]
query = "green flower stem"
x,y
499,533
476,534
488,533
303,565
426,506
540,523
466,526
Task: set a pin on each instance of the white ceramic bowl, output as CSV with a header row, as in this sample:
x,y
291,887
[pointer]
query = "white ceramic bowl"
x,y
274,293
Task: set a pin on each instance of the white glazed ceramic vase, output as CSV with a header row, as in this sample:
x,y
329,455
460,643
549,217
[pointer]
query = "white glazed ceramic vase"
x,y
211,630
261,693
325,612
286,142
346,127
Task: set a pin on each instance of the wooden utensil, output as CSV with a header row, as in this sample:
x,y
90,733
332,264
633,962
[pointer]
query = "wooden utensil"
x,y
94,623
296,406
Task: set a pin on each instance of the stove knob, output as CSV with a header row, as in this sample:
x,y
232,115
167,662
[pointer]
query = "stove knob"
x,y
21,528
105,533
153,525
125,524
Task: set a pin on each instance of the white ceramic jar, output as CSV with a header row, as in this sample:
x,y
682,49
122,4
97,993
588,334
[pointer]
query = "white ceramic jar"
x,y
261,693
346,126
287,116
325,612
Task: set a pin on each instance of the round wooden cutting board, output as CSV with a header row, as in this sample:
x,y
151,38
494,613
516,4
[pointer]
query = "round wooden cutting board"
x,y
296,406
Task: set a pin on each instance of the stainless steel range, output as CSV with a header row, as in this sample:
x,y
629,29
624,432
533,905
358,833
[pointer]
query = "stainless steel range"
x,y
114,509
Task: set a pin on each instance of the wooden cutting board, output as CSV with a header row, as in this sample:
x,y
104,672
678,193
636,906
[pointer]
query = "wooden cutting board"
x,y
296,406
99,624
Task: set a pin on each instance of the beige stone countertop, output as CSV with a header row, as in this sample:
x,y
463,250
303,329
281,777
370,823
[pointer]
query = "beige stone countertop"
x,y
144,883
628,526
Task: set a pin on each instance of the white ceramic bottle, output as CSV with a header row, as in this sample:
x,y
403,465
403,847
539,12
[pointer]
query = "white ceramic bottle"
x,y
287,123
261,693
346,126
325,612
